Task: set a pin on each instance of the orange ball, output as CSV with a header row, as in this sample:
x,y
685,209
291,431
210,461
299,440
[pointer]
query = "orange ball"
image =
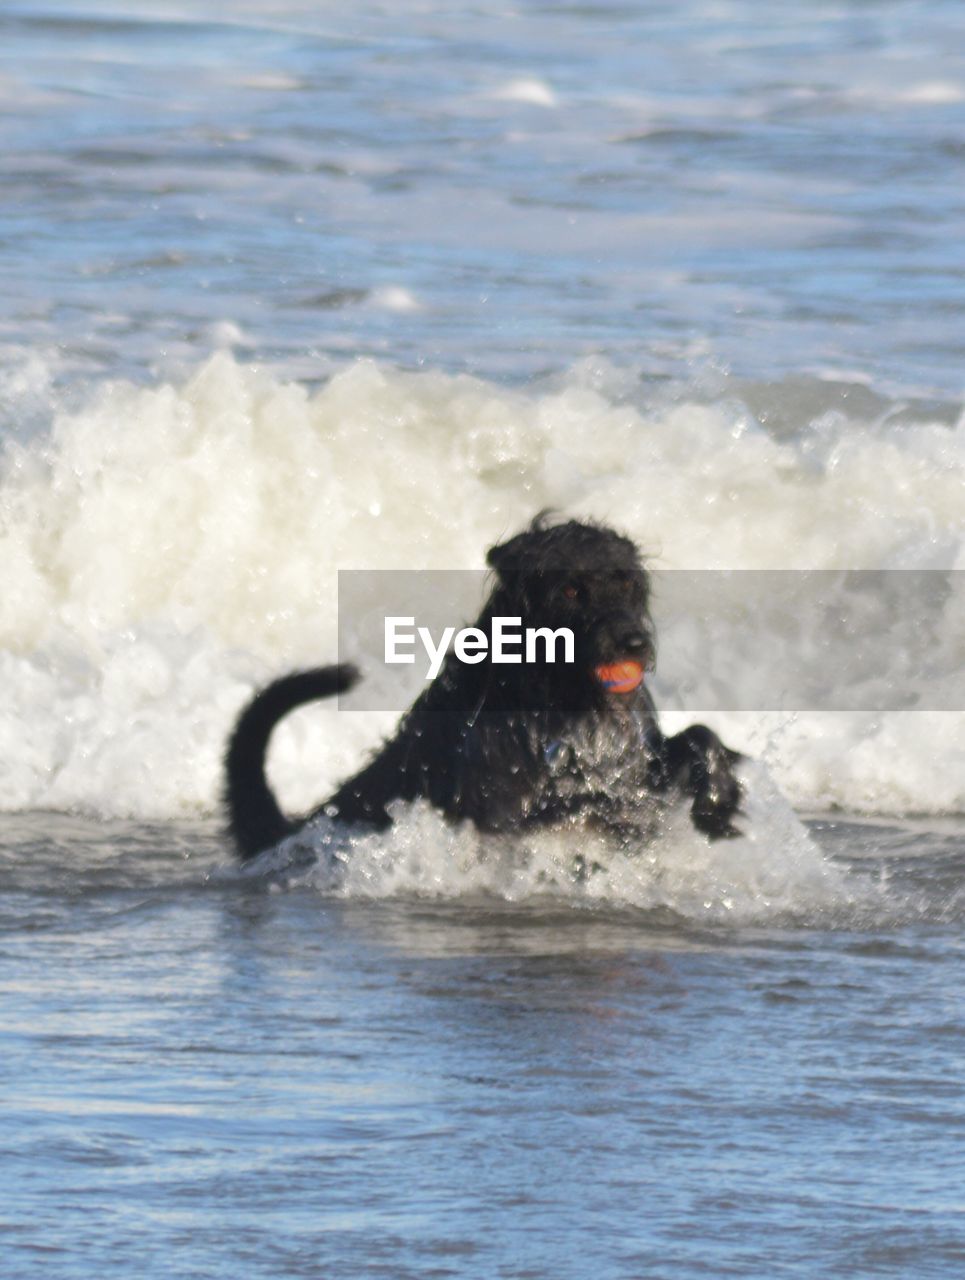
x,y
620,677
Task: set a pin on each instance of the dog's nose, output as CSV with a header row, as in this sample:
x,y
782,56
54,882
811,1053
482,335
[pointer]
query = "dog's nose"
x,y
634,642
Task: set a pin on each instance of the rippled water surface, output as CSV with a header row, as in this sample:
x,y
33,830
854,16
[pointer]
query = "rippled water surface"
x,y
203,1077
508,188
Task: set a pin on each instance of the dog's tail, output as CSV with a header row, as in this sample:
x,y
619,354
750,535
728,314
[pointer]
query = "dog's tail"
x,y
255,820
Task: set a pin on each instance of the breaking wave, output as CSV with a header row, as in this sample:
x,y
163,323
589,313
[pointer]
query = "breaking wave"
x,y
167,549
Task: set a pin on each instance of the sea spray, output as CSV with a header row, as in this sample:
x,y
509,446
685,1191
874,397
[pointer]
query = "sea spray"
x,y
167,549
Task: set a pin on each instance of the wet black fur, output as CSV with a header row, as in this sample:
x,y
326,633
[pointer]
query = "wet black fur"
x,y
507,745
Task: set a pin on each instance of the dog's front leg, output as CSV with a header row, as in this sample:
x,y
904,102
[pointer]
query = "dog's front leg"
x,y
698,762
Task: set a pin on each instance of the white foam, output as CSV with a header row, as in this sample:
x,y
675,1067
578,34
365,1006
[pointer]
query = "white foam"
x,y
269,81
932,92
168,549
533,92
774,870
395,298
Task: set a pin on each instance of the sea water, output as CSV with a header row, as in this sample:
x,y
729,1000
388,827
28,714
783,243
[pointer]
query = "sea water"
x,y
292,289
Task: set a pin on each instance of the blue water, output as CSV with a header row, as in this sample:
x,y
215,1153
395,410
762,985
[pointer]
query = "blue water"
x,y
719,186
204,1079
716,233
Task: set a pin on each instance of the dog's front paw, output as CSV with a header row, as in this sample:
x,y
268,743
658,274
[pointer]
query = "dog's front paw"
x,y
704,768
715,825
715,807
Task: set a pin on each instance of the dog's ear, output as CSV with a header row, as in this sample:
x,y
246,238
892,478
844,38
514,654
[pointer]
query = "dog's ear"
x,y
505,555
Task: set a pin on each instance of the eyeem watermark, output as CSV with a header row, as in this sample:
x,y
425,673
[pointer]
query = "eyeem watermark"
x,y
508,642
752,640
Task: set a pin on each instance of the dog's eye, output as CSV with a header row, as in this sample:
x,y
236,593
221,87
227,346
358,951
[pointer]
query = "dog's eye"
x,y
571,591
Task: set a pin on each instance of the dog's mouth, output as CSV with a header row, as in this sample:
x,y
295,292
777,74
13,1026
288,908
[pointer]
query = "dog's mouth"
x,y
620,677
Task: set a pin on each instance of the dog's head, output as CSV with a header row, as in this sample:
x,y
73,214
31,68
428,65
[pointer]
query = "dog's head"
x,y
589,579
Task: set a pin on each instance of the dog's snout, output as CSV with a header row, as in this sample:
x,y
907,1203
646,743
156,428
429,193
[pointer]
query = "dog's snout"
x,y
635,642
623,635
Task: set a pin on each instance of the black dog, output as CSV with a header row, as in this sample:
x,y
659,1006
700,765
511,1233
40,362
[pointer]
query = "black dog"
x,y
513,745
